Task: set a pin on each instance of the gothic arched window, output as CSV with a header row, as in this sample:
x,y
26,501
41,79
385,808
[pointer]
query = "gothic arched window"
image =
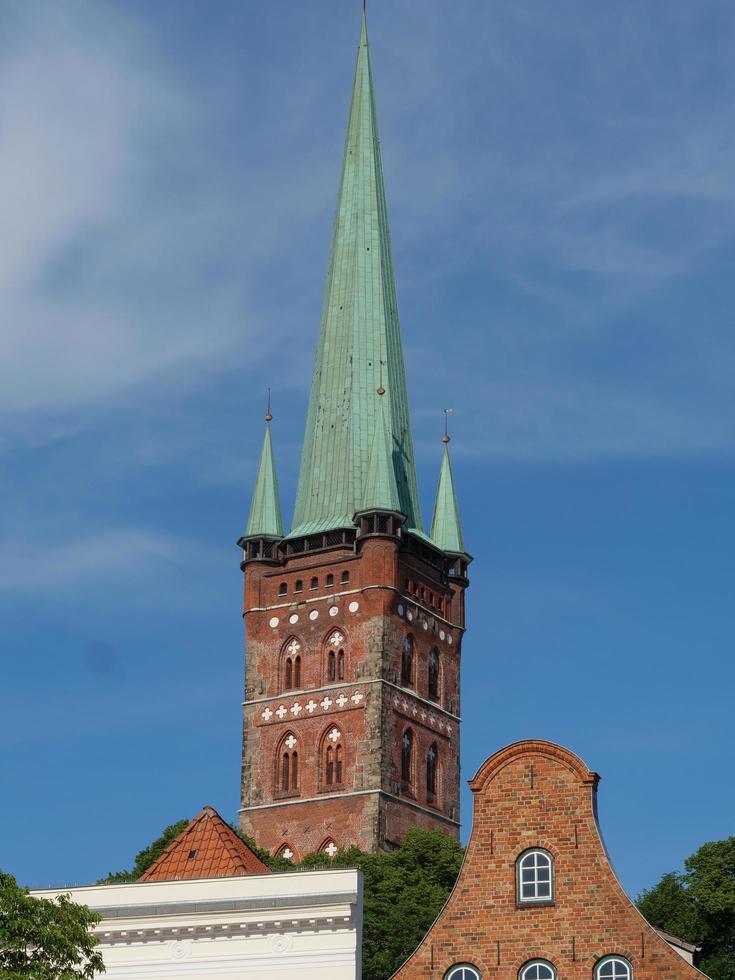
x,y
297,672
434,675
335,665
288,675
432,759
407,662
291,665
333,758
407,760
331,666
341,665
288,765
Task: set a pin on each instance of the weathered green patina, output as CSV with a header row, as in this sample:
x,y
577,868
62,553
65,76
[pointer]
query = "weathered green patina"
x,y
446,528
381,490
265,520
359,347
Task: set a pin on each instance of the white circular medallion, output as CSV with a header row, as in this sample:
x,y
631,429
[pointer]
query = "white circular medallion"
x,y
333,610
280,944
354,606
401,610
449,640
314,614
273,622
293,618
426,625
442,634
409,616
179,950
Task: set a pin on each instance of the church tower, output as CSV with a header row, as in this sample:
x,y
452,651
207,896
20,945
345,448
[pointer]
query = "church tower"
x,y
354,619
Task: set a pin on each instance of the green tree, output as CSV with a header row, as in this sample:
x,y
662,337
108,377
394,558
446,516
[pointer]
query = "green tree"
x,y
699,906
45,939
145,858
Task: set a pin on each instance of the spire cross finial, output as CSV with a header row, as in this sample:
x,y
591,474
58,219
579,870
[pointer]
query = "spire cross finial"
x,y
268,416
447,413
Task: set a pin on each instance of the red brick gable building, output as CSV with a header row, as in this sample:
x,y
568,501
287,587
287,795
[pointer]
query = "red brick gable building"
x,y
354,619
537,898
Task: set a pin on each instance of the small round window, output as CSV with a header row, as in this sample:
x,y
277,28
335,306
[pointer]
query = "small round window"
x,y
462,971
613,968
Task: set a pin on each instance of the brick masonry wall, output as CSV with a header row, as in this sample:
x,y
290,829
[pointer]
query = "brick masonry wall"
x,y
368,617
535,794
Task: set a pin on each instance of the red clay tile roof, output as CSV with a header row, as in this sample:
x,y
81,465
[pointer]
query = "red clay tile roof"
x,y
207,848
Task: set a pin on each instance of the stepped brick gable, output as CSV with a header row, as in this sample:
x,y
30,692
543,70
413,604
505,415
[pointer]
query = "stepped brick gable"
x,y
206,848
354,619
537,886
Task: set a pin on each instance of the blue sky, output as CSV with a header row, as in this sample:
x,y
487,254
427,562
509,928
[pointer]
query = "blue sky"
x,y
562,211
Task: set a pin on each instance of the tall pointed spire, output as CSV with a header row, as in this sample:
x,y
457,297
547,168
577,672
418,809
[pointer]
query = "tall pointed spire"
x,y
446,527
265,520
381,491
359,342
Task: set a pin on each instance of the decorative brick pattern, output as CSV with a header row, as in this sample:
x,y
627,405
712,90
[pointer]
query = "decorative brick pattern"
x,y
539,795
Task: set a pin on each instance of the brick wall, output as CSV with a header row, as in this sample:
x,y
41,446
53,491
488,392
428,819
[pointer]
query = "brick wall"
x,y
539,795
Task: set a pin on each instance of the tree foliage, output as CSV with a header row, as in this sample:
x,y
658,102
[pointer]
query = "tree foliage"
x,y
45,939
699,906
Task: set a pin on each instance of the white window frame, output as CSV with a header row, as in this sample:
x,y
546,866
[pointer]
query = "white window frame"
x,y
534,899
614,958
463,971
527,967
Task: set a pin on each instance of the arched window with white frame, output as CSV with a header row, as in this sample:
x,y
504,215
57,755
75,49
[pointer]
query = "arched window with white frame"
x,y
613,968
537,970
535,877
463,971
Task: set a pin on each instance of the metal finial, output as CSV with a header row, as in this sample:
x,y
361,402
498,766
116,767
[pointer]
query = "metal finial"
x,y
268,416
380,389
447,413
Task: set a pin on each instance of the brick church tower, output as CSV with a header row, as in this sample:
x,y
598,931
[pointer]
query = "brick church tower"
x,y
354,619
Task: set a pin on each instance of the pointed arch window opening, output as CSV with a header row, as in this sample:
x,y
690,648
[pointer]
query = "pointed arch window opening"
x,y
432,765
288,766
407,662
292,673
434,675
407,761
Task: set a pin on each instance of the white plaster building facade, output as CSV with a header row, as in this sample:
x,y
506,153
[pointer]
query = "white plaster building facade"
x,y
305,924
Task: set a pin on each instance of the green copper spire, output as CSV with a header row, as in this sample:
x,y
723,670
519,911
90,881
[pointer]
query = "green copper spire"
x,y
446,528
381,491
359,347
265,519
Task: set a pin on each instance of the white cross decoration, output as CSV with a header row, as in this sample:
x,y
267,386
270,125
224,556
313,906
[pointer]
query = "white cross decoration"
x,y
281,712
336,639
293,647
290,741
356,697
310,705
396,701
441,723
334,735
295,709
326,703
267,714
331,848
404,704
422,715
449,729
432,720
341,700
287,853
415,710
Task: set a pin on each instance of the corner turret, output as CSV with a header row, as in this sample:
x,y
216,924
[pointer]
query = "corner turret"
x,y
265,522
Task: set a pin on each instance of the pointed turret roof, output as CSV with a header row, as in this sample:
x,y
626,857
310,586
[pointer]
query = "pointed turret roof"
x,y
381,491
446,527
265,518
207,848
359,344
